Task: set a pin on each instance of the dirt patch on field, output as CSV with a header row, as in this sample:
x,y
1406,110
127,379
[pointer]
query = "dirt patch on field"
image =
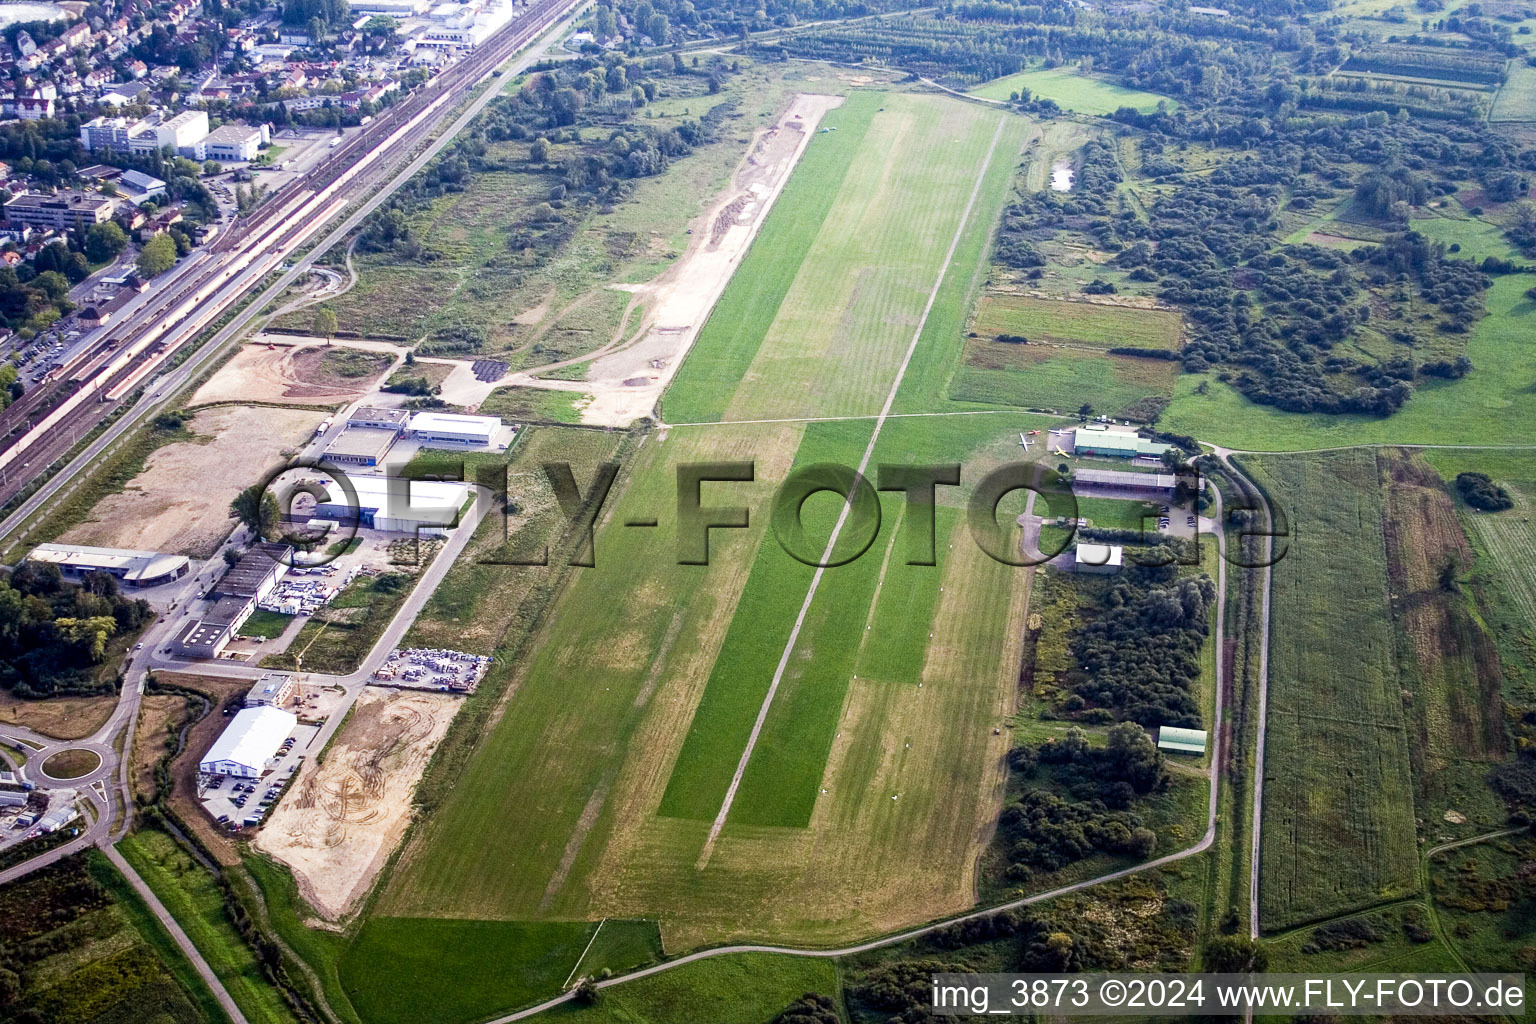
x,y
64,718
181,500
302,374
343,819
627,382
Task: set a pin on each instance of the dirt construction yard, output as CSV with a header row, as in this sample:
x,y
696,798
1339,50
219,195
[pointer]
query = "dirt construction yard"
x,y
293,374
341,820
180,502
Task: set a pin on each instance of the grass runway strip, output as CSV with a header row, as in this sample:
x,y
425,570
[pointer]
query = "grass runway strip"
x,y
842,519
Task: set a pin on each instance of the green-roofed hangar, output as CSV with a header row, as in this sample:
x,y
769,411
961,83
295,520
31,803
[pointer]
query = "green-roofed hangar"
x,y
1183,741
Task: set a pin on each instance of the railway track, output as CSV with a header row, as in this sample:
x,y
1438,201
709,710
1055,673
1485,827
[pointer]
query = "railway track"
x,y
47,421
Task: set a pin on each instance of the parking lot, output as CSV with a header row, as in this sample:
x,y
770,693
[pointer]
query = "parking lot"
x,y
243,803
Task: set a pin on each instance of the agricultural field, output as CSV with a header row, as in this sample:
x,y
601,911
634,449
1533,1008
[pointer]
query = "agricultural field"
x,y
1502,576
1338,828
1072,90
1449,664
824,331
1516,100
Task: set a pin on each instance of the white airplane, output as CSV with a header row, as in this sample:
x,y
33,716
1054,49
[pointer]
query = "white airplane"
x,y
1023,440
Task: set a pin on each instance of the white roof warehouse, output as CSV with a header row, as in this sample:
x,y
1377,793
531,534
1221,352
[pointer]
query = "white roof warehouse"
x,y
251,739
454,428
395,505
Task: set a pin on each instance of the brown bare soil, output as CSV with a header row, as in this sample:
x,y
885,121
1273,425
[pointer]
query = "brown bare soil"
x,y
287,374
159,716
342,819
64,718
181,500
1456,711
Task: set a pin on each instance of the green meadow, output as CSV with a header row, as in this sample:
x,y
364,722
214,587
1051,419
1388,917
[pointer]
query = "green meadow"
x,y
1072,91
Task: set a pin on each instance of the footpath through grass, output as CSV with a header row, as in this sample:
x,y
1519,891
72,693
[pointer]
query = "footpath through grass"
x,y
192,896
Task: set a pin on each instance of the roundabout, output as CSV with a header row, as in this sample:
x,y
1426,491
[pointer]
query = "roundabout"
x,y
71,765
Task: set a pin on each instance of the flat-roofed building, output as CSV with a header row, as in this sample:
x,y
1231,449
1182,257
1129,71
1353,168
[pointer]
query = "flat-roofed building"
x,y
232,142
252,738
256,573
133,568
453,428
207,636
182,132
62,211
272,690
375,418
1125,480
396,505
360,446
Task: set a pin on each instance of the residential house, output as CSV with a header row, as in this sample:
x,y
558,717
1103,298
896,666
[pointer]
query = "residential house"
x,y
33,108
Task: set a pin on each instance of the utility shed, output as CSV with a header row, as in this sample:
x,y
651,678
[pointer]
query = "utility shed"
x,y
250,740
1183,741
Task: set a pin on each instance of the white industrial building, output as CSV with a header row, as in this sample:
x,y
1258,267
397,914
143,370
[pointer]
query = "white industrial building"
x,y
134,568
181,133
252,738
233,143
396,505
464,25
453,428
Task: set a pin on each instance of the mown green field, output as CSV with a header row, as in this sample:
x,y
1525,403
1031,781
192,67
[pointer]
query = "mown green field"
x,y
841,328
748,988
1516,100
192,896
565,811
447,971
1072,91
1037,377
1077,324
1490,405
735,329
1338,827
